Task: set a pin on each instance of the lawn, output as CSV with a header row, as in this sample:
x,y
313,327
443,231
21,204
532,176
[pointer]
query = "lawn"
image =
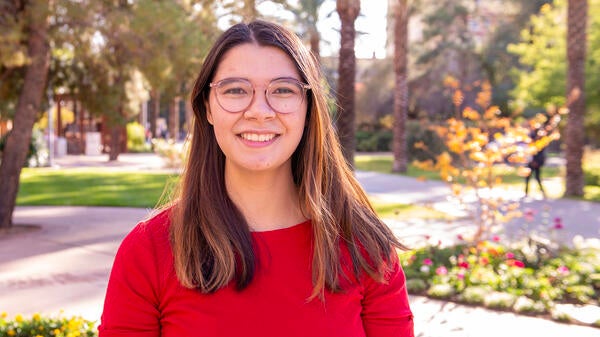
x,y
383,163
91,187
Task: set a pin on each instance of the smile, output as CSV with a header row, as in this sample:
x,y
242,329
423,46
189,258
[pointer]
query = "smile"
x,y
254,137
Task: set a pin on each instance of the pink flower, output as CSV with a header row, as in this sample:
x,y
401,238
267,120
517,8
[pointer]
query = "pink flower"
x,y
529,214
427,237
496,238
515,263
510,255
460,237
558,223
563,270
460,275
441,270
427,262
484,261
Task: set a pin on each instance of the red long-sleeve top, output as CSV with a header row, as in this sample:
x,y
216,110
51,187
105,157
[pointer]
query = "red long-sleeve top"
x,y
145,298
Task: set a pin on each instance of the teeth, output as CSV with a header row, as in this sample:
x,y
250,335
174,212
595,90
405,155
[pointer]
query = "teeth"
x,y
257,137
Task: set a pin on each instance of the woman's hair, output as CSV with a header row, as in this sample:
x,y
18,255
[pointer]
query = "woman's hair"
x,y
211,240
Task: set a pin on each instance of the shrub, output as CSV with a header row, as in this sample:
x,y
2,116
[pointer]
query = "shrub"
x,y
592,177
374,141
136,138
499,300
475,295
40,326
37,155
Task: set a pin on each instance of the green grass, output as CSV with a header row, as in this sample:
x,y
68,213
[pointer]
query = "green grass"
x,y
91,187
388,210
383,163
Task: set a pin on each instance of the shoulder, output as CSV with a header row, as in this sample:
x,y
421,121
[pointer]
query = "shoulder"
x,y
151,233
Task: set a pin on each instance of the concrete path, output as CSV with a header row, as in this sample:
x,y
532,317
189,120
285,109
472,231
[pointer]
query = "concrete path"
x,y
63,264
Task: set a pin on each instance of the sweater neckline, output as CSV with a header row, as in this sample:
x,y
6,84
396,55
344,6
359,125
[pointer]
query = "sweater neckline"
x,y
285,230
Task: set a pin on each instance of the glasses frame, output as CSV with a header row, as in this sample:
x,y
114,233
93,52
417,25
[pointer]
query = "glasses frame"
x,y
304,86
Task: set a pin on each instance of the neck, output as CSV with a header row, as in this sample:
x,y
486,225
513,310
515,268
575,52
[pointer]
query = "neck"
x,y
268,200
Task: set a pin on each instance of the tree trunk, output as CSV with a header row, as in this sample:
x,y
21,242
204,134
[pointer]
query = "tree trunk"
x,y
401,88
174,119
576,53
348,11
155,97
30,98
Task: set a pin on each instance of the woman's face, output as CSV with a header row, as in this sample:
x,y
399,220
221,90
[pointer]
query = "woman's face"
x,y
256,138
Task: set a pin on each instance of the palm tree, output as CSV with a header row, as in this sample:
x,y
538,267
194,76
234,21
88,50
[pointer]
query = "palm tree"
x,y
30,98
307,15
348,11
401,89
576,52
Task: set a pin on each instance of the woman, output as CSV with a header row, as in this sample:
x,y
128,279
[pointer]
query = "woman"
x,y
270,234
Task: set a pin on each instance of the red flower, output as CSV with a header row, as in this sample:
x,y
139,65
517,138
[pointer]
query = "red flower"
x,y
464,265
484,260
515,263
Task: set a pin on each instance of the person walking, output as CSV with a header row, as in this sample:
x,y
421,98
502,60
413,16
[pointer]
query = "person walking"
x,y
270,234
535,164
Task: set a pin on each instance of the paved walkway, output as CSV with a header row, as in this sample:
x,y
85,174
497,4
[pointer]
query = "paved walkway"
x,y
64,264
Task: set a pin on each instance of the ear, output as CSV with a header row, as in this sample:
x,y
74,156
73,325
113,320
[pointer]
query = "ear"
x,y
209,116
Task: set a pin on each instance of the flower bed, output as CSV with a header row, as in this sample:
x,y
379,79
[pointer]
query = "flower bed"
x,y
40,326
528,277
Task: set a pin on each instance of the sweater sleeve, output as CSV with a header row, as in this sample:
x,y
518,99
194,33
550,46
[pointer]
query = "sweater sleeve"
x,y
131,303
386,311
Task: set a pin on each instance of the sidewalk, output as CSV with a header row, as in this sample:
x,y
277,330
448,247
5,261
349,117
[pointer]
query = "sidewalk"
x,y
65,264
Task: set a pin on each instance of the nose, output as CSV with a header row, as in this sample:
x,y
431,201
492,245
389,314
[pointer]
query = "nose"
x,y
259,107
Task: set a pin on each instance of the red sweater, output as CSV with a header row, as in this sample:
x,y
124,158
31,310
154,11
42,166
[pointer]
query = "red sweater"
x,y
144,297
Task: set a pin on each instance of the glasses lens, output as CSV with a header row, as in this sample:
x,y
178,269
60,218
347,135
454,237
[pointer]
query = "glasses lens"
x,y
234,95
285,96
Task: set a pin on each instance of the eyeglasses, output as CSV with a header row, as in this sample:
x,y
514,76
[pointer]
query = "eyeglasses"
x,y
283,95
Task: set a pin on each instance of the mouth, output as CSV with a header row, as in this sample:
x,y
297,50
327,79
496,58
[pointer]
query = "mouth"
x,y
256,137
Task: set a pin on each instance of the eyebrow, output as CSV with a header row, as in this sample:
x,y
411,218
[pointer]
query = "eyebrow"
x,y
247,79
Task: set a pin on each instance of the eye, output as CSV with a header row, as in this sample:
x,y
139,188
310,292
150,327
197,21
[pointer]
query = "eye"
x,y
234,88
236,91
284,89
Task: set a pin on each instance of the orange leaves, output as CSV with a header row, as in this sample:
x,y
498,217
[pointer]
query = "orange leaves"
x,y
471,114
484,97
457,98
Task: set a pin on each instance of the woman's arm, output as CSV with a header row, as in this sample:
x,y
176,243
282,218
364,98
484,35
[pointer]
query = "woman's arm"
x,y
386,311
131,303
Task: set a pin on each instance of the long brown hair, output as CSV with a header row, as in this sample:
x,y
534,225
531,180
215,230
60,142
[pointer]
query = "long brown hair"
x,y
211,241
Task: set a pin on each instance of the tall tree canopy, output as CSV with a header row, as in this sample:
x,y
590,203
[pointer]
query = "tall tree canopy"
x,y
542,53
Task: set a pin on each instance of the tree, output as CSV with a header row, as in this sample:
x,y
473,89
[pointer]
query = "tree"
x,y
541,77
401,88
576,56
307,15
36,13
348,11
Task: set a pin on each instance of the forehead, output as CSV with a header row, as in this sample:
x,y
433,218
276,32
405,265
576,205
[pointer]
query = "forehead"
x,y
254,62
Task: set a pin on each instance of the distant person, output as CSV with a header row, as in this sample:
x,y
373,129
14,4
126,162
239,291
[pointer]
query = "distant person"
x,y
536,163
270,233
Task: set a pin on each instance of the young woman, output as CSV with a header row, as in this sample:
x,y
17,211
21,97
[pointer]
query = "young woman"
x,y
270,234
